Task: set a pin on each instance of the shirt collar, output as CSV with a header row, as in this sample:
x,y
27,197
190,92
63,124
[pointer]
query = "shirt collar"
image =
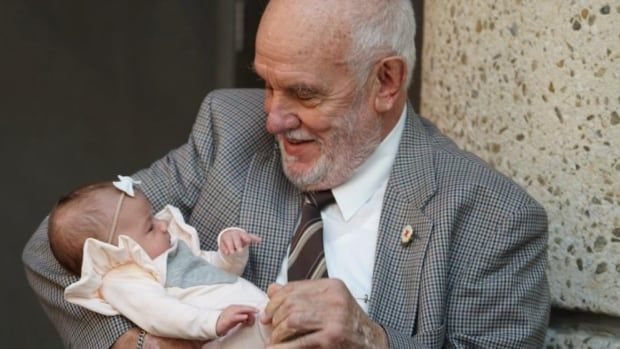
x,y
371,175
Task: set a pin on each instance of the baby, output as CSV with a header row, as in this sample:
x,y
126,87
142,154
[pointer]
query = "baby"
x,y
151,269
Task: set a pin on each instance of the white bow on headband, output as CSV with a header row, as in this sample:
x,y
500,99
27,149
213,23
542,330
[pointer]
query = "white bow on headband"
x,y
125,184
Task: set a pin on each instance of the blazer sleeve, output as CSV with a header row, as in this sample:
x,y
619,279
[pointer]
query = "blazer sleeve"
x,y
175,179
78,327
502,298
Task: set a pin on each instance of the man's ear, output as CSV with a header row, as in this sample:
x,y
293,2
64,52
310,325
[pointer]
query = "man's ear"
x,y
391,75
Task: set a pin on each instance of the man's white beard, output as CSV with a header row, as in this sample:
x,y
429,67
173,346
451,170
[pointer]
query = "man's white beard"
x,y
351,144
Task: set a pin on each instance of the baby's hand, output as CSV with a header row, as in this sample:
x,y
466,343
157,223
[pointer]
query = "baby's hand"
x,y
233,315
234,240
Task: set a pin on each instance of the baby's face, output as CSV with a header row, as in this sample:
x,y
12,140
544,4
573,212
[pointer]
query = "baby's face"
x,y
136,221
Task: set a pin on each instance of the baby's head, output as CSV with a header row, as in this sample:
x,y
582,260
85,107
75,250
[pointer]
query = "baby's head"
x,y
88,212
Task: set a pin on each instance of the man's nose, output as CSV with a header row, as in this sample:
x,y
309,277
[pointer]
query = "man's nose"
x,y
279,122
280,118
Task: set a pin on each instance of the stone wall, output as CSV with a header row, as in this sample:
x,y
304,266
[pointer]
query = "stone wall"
x,y
533,87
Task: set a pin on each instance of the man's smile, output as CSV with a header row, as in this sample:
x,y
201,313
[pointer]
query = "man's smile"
x,y
297,147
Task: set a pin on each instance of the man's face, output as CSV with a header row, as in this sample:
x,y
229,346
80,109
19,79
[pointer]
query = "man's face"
x,y
325,128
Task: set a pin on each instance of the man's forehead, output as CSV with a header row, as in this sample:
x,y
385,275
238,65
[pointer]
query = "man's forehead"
x,y
281,67
283,76
315,23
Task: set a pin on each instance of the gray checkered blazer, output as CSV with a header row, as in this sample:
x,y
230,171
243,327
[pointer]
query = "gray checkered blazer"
x,y
473,276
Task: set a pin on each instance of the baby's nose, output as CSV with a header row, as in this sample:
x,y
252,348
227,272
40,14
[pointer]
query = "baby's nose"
x,y
160,225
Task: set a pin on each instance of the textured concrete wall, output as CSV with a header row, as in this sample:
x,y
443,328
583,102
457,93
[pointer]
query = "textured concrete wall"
x,y
583,331
533,87
580,339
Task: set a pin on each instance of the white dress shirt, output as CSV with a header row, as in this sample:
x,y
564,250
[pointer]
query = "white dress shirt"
x,y
351,225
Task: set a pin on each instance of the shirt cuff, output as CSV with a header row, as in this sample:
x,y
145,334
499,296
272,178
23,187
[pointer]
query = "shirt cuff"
x,y
211,323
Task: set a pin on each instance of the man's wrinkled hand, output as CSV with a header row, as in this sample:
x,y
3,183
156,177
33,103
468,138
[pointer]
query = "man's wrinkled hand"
x,y
319,314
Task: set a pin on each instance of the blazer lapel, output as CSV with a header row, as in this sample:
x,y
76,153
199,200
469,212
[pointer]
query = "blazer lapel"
x,y
269,208
398,266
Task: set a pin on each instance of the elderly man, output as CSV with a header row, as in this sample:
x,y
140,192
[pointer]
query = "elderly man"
x,y
424,246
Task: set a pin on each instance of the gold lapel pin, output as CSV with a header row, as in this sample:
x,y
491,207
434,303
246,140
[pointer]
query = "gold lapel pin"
x,y
406,235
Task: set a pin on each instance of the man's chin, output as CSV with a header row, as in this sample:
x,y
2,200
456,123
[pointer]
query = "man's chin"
x,y
303,177
319,174
320,177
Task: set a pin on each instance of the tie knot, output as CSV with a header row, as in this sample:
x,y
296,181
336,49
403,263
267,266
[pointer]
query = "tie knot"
x,y
320,199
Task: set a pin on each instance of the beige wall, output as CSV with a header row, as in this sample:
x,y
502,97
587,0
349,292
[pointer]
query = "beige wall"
x,y
533,87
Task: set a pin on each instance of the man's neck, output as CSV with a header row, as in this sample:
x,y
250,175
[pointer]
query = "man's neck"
x,y
390,118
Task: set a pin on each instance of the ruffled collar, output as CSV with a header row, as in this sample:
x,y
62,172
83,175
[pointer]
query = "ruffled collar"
x,y
99,258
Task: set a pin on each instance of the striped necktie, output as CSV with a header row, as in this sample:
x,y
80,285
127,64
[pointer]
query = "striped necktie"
x,y
306,259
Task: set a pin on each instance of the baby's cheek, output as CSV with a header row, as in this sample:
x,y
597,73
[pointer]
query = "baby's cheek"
x,y
165,246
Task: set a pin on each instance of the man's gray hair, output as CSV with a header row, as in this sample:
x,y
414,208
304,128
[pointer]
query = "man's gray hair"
x,y
381,28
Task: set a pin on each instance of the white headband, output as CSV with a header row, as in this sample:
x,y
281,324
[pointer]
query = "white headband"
x,y
125,185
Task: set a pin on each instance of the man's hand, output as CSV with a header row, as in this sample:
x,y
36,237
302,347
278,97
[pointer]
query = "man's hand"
x,y
128,341
319,314
234,315
234,240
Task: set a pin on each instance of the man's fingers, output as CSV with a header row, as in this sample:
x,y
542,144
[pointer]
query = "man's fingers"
x,y
294,313
289,326
273,289
278,294
293,320
275,299
310,340
302,308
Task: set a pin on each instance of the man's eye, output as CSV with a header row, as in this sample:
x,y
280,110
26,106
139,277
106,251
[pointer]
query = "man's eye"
x,y
305,95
